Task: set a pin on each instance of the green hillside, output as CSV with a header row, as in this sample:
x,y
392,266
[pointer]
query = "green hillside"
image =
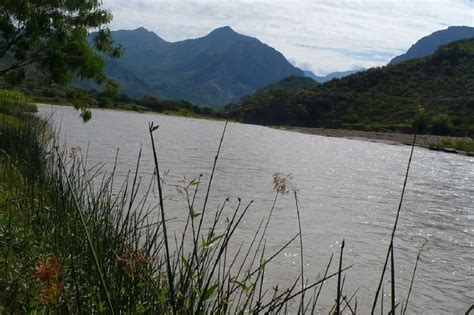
x,y
384,98
293,83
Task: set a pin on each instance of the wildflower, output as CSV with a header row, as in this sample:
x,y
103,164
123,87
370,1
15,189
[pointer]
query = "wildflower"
x,y
126,262
74,151
47,271
143,260
49,295
131,261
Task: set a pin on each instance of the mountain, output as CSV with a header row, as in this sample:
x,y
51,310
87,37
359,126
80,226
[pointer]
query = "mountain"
x,y
429,44
330,76
386,98
213,70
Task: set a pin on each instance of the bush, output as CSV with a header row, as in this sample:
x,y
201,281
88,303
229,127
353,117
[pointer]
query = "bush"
x,y
465,145
421,124
51,93
441,125
104,102
447,142
13,101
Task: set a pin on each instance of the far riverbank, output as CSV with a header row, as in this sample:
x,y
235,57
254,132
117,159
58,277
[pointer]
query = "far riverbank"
x,y
459,145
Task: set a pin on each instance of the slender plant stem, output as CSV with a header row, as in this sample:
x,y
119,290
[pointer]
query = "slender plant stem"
x,y
321,286
394,226
392,272
289,297
86,231
412,279
211,178
301,252
152,128
338,298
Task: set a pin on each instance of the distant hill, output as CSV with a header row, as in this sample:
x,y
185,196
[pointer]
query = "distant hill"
x,y
213,70
429,44
330,76
292,83
384,98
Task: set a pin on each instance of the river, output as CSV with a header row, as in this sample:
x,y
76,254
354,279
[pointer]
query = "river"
x,y
347,189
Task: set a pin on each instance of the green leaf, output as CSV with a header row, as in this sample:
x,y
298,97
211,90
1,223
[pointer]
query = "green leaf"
x,y
86,114
210,243
241,285
187,266
193,213
208,293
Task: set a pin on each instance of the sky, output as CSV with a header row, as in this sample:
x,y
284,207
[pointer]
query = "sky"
x,y
321,36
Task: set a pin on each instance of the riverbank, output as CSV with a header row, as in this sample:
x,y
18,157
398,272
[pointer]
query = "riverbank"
x,y
459,145
80,98
138,110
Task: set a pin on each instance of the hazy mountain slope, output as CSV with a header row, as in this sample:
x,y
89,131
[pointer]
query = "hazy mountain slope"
x,y
384,98
429,44
212,70
330,76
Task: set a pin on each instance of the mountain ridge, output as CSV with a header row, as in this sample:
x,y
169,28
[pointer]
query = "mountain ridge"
x,y
427,45
214,70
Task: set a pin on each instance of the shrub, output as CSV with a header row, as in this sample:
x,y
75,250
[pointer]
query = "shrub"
x,y
447,142
14,101
465,145
421,124
441,125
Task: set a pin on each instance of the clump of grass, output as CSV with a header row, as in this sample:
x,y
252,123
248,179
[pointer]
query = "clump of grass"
x,y
447,142
460,144
465,144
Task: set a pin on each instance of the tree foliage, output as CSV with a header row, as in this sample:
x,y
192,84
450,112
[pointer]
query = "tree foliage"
x,y
51,37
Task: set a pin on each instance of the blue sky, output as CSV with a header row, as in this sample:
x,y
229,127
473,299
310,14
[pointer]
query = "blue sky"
x,y
321,36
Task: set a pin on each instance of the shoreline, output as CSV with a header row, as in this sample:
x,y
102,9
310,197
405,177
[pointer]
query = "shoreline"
x,y
139,111
430,142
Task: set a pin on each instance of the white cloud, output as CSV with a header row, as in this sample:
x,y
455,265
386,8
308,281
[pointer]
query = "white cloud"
x,y
325,36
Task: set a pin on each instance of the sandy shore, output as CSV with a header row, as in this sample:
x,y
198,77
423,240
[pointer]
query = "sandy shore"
x,y
426,141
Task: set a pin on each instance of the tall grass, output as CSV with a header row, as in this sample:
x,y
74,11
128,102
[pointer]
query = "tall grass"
x,y
76,241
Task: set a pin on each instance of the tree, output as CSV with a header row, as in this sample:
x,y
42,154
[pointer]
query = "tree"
x,y
52,36
441,125
421,123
